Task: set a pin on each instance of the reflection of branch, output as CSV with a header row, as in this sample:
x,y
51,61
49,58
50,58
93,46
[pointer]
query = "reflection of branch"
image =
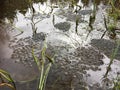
x,y
53,20
21,31
105,23
111,2
103,34
76,26
18,34
70,38
92,17
43,11
34,29
38,21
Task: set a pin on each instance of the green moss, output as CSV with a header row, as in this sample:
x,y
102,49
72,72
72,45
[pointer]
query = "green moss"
x,y
111,27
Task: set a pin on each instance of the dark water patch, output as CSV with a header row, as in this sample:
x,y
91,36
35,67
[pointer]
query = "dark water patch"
x,y
106,46
68,71
22,50
89,56
70,68
4,35
19,71
39,36
5,51
64,78
73,17
63,26
29,85
8,7
85,12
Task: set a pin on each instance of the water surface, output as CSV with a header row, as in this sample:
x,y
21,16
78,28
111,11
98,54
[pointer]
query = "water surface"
x,y
71,37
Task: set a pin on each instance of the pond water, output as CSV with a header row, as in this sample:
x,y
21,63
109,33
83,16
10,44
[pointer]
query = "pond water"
x,y
72,31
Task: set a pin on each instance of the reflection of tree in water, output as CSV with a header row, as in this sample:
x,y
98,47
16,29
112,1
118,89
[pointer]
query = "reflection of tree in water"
x,y
8,7
53,1
86,2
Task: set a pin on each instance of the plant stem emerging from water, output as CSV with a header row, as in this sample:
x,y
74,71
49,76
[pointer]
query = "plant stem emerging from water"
x,y
43,67
112,58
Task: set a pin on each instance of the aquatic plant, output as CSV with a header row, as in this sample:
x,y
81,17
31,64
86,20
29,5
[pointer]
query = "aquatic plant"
x,y
110,26
5,76
114,53
43,67
107,83
111,31
114,6
110,21
116,83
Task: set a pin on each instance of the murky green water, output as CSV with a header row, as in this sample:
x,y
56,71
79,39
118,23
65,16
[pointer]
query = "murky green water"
x,y
72,30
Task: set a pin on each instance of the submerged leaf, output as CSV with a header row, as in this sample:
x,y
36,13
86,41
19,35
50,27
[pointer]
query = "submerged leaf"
x,y
9,85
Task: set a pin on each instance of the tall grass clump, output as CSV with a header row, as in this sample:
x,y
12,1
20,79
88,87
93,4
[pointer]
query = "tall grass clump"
x,y
43,67
112,19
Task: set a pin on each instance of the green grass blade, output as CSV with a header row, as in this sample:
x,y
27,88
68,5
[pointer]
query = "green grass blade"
x,y
36,59
46,75
6,75
112,58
